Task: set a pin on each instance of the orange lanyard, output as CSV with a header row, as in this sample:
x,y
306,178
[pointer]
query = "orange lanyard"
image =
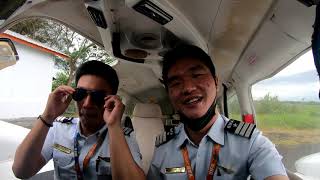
x,y
88,156
213,162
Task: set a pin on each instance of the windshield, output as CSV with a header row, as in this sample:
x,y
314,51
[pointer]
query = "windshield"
x,y
8,7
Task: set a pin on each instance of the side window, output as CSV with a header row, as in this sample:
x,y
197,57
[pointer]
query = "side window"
x,y
287,111
234,107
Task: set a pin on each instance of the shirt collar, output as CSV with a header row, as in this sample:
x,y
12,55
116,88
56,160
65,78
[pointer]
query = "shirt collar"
x,y
182,136
100,131
216,133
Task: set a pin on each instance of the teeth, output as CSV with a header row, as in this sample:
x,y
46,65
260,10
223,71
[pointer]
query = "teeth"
x,y
192,100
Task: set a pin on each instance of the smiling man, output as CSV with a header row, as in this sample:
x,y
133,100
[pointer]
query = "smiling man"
x,y
207,145
93,146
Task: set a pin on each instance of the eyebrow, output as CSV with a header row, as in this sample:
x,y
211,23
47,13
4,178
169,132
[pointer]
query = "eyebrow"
x,y
172,78
192,69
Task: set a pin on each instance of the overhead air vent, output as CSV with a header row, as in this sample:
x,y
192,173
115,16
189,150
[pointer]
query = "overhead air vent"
x,y
146,40
152,11
98,17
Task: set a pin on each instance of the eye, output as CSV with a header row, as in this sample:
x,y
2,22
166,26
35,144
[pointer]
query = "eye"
x,y
98,97
174,83
79,94
197,75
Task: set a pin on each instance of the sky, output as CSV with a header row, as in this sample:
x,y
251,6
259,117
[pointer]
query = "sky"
x,y
297,82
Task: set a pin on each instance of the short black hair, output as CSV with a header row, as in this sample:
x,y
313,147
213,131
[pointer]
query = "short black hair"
x,y
99,69
185,51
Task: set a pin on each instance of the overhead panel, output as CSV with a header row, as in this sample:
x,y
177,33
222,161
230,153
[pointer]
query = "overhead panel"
x,y
234,26
277,43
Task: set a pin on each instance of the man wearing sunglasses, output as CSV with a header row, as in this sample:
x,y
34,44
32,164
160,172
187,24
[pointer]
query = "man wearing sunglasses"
x,y
93,146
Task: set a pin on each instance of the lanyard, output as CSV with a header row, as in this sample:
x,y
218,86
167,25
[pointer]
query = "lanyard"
x,y
89,154
213,162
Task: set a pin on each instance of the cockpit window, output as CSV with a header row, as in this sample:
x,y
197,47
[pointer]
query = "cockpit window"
x,y
287,111
8,7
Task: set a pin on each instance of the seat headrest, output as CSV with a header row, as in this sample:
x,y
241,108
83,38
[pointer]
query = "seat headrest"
x,y
147,110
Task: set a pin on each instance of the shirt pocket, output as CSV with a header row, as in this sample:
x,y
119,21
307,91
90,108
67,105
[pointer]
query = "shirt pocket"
x,y
230,177
65,174
175,176
62,159
103,168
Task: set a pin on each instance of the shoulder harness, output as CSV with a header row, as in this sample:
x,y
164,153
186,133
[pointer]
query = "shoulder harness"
x,y
165,136
240,128
61,119
127,131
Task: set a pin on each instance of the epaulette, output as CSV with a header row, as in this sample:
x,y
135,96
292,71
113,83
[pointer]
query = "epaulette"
x,y
240,128
62,119
127,131
165,137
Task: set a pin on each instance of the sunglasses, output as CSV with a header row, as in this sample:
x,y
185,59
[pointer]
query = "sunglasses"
x,y
96,96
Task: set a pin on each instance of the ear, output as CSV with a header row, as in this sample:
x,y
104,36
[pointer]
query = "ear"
x,y
216,81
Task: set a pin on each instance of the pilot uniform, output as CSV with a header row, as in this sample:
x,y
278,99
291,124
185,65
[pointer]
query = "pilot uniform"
x,y
60,145
244,151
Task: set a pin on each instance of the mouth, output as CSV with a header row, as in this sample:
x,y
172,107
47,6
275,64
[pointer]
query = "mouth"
x,y
89,113
193,100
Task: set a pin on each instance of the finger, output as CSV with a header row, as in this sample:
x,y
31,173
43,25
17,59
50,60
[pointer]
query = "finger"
x,y
66,89
109,104
110,98
113,98
67,99
114,104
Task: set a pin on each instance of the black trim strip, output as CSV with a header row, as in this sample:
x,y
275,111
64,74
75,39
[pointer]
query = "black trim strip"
x,y
225,101
153,12
98,17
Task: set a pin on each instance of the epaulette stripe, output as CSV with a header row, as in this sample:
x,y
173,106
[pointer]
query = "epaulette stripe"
x,y
165,136
250,130
239,128
160,140
244,128
62,119
127,131
157,140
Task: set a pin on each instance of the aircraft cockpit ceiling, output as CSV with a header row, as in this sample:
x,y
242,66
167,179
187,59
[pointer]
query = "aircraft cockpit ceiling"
x,y
247,40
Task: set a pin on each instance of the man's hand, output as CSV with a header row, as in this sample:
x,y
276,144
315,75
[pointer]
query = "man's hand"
x,y
57,103
113,110
30,148
120,153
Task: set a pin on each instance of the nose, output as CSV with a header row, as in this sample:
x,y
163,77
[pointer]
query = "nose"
x,y
188,86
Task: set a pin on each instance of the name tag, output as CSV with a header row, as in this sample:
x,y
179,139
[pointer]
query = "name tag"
x,y
62,148
175,170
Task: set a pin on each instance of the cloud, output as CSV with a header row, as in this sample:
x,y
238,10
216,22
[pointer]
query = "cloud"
x,y
296,87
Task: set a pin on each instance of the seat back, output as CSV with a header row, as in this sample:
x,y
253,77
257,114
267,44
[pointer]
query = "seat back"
x,y
147,124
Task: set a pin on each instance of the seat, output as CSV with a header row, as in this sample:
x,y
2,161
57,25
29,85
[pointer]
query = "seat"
x,y
147,124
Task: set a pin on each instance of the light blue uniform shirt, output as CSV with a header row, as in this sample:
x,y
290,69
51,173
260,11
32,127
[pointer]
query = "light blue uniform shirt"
x,y
238,157
59,145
